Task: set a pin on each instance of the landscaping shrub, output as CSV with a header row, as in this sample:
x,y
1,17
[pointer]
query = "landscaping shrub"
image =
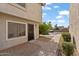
x,y
66,36
68,48
43,28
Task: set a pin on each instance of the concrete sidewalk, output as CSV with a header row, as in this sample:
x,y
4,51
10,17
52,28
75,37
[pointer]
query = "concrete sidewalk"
x,y
40,47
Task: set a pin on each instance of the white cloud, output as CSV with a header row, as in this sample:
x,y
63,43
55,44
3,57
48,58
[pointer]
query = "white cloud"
x,y
59,16
61,21
48,3
64,12
60,24
46,8
53,21
44,14
56,6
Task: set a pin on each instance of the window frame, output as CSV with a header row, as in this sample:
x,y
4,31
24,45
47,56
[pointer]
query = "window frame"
x,y
19,37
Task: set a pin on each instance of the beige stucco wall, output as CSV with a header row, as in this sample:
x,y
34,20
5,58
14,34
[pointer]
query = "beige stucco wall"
x,y
74,23
2,31
32,11
6,43
12,12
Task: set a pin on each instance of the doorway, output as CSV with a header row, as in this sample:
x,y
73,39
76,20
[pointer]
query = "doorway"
x,y
30,32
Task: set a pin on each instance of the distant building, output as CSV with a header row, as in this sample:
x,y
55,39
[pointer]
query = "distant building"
x,y
60,29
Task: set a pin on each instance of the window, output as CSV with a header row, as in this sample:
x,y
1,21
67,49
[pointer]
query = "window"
x,y
16,30
21,4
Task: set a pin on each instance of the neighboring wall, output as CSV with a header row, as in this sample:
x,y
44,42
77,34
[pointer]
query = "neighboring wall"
x,y
74,23
33,11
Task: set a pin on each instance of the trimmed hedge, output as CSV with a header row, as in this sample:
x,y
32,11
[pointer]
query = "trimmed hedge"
x,y
66,36
68,48
67,45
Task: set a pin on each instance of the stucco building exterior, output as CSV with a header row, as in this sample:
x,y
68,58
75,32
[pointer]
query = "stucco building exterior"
x,y
74,23
19,23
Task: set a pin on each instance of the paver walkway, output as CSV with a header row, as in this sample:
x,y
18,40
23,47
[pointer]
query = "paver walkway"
x,y
40,47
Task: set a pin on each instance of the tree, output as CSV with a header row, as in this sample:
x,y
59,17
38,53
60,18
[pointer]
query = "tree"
x,y
50,25
56,27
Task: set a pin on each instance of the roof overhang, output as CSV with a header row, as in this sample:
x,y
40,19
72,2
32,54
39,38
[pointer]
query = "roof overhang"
x,y
43,4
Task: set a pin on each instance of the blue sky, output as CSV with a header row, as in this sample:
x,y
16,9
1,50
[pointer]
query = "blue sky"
x,y
57,13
